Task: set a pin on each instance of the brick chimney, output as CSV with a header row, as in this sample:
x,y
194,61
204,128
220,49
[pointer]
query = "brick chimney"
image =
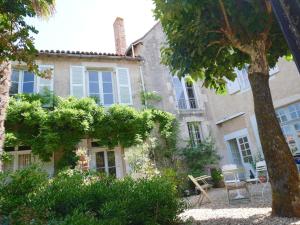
x,y
120,39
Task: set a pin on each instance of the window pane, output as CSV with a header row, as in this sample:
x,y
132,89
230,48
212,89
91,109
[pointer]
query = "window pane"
x,y
28,76
108,99
94,88
111,158
106,77
93,76
107,88
14,88
15,76
24,160
28,87
100,163
112,171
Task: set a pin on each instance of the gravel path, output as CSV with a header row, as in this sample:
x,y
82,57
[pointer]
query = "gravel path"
x,y
219,212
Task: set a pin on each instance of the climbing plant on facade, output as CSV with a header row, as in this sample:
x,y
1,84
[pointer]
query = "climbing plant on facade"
x,y
59,128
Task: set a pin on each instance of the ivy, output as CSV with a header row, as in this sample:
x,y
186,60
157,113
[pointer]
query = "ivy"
x,y
69,120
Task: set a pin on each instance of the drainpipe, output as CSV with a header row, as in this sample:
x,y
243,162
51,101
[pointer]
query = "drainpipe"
x,y
142,81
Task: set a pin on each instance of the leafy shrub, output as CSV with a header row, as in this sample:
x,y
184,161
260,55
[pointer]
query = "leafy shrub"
x,y
198,157
74,197
16,191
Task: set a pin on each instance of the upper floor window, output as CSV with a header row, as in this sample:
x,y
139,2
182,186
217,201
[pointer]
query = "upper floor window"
x,y
194,133
185,94
23,81
241,83
100,85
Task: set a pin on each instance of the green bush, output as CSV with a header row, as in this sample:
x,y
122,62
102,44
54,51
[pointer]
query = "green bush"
x,y
198,157
17,190
73,197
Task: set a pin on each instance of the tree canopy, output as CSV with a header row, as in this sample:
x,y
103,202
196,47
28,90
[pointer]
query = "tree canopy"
x,y
16,41
208,39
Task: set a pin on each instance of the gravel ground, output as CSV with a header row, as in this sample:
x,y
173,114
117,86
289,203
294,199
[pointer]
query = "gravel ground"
x,y
219,212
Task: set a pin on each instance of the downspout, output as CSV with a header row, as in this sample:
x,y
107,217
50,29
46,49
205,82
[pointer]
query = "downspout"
x,y
143,84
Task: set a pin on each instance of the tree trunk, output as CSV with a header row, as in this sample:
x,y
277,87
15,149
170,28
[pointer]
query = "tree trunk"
x,y
282,169
5,75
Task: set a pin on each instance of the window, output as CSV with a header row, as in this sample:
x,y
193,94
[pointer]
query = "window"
x,y
242,82
184,93
101,87
245,149
180,96
194,133
281,116
289,118
294,111
191,95
21,158
23,81
242,76
105,162
99,84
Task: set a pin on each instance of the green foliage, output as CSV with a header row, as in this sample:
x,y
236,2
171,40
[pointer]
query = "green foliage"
x,y
16,191
150,97
198,157
208,43
217,176
73,197
16,41
61,127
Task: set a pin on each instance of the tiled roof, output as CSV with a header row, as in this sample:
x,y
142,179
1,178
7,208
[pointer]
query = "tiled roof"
x,y
85,54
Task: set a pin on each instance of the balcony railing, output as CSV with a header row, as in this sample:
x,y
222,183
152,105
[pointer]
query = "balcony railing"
x,y
187,104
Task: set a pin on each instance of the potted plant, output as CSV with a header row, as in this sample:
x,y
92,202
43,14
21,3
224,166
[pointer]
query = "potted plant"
x,y
217,178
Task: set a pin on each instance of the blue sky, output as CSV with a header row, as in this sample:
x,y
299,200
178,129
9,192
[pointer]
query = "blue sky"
x,y
86,25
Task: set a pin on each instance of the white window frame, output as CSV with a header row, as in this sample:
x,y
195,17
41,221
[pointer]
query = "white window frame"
x,y
236,135
129,85
194,140
186,98
36,79
106,166
16,153
100,85
242,83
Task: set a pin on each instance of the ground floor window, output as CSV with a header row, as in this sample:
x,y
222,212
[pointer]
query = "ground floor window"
x,y
105,162
21,157
194,133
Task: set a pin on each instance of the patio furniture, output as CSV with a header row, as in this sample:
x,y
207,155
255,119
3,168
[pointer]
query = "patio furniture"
x,y
233,182
261,167
201,185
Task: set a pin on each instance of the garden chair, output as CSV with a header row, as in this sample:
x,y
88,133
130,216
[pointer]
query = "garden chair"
x,y
261,167
201,185
233,182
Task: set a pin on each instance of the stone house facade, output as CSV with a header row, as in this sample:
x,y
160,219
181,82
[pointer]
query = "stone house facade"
x,y
121,77
229,118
